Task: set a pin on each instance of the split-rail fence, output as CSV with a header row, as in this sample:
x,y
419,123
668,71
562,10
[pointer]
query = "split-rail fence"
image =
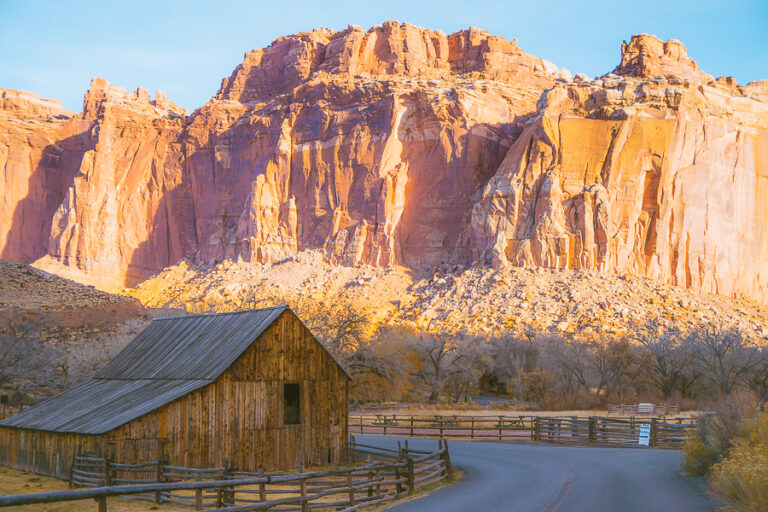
x,y
664,432
393,473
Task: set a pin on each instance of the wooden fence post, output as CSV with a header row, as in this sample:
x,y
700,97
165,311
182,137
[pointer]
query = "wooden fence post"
x,y
411,426
198,494
591,437
411,477
159,479
262,486
536,428
107,472
472,428
654,432
447,461
228,495
353,450
220,491
303,484
370,485
102,501
398,484
351,491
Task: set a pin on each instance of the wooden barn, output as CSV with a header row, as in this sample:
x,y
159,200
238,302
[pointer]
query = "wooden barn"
x,y
253,388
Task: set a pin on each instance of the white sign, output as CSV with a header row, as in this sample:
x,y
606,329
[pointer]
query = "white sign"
x,y
645,434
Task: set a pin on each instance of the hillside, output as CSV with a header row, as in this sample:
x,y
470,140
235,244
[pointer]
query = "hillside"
x,y
29,288
55,332
402,147
475,301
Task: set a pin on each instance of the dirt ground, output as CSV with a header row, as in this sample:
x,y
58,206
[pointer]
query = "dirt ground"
x,y
19,482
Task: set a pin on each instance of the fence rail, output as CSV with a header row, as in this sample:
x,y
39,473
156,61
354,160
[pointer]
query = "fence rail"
x,y
394,473
665,432
645,409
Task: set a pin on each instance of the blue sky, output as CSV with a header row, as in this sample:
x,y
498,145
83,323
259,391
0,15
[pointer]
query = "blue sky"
x,y
185,48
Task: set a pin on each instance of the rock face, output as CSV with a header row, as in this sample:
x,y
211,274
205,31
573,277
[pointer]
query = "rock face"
x,y
402,146
93,195
118,218
646,56
368,145
662,178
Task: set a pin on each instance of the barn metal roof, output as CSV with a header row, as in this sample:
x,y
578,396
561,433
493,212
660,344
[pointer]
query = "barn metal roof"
x,y
169,359
97,406
189,347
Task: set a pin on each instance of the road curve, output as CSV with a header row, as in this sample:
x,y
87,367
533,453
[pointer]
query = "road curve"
x,y
550,478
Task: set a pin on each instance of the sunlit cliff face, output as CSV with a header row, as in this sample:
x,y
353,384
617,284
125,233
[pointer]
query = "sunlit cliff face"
x,y
402,146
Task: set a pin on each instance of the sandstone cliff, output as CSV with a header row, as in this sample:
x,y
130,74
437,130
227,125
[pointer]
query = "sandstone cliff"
x,y
403,146
664,178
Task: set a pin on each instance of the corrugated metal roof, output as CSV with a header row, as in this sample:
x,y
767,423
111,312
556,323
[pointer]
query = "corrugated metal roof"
x,y
97,406
170,358
189,347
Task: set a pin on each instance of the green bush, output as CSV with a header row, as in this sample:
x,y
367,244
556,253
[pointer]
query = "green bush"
x,y
741,479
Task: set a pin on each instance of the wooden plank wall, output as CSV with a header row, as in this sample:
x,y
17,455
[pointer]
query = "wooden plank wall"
x,y
44,453
237,419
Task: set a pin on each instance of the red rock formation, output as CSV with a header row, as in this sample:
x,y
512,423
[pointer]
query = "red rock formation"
x,y
125,213
84,192
40,145
662,178
646,56
400,145
317,141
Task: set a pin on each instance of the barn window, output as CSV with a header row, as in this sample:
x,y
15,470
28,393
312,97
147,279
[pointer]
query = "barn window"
x,y
291,409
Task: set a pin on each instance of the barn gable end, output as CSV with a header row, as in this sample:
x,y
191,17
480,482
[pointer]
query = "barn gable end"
x,y
235,417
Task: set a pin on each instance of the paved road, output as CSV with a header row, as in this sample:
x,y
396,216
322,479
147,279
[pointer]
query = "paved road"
x,y
549,478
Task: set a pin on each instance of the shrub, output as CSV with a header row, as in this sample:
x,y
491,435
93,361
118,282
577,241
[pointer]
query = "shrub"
x,y
715,434
706,446
741,479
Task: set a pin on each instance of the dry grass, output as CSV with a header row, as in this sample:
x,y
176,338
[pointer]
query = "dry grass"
x,y
19,482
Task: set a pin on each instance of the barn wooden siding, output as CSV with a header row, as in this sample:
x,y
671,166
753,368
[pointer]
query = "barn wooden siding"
x,y
237,419
44,453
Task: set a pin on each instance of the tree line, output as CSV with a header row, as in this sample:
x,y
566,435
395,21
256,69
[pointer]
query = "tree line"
x,y
653,362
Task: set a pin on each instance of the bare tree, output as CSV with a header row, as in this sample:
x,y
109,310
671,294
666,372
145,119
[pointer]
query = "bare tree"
x,y
568,362
670,363
758,377
440,354
514,355
616,366
23,351
724,355
342,330
466,374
